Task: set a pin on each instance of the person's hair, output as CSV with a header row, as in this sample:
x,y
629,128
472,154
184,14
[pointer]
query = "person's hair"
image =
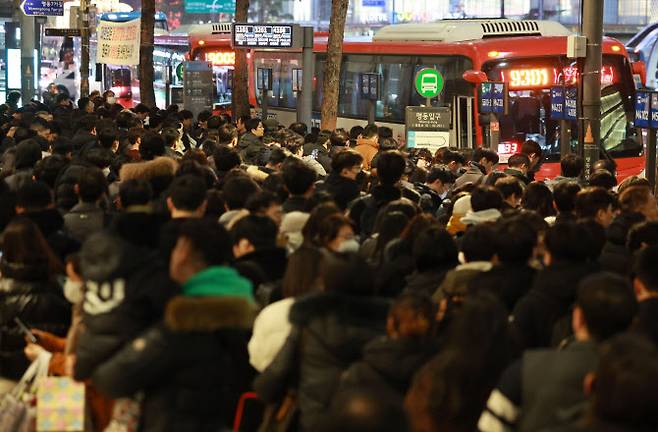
x,y
592,199
226,134
299,128
608,304
453,156
209,239
23,244
434,248
538,197
170,136
348,274
485,197
252,124
28,153
277,156
532,147
152,146
330,227
47,170
518,160
624,388
135,192
364,409
312,227
388,144
634,198
237,191
508,186
345,160
141,108
134,133
604,179
605,164
298,176
87,123
302,271
572,166
412,305
185,115
385,132
261,201
355,131
515,241
370,131
389,225
34,196
260,231
441,174
566,242
564,196
214,122
642,233
645,268
482,153
226,158
339,138
479,243
390,167
188,192
107,137
92,184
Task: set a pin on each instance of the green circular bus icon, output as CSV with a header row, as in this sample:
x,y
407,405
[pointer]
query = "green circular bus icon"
x,y
429,83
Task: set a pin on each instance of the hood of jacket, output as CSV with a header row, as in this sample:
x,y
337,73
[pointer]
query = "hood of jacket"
x,y
272,261
482,216
347,307
158,167
218,281
426,282
397,359
209,313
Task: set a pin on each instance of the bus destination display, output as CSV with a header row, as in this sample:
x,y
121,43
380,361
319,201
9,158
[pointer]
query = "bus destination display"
x,y
263,36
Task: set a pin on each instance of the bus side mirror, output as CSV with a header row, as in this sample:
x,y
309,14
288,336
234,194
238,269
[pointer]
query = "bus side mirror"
x,y
640,68
475,76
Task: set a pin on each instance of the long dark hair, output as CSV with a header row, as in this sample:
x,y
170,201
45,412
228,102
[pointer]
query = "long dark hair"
x,y
23,246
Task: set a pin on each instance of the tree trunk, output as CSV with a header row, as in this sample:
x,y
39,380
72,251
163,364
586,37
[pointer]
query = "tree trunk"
x,y
241,73
331,82
146,73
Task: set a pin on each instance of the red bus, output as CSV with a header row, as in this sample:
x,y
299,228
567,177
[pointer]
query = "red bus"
x,y
529,55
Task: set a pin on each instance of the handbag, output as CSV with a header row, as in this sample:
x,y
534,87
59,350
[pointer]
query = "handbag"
x,y
60,405
17,408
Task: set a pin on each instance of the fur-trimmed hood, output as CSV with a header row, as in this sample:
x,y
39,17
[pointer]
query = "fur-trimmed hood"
x,y
158,167
208,314
346,307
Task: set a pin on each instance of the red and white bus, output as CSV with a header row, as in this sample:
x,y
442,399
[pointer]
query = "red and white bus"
x,y
529,55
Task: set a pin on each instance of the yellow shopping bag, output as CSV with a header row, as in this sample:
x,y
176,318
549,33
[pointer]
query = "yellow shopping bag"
x,y
60,405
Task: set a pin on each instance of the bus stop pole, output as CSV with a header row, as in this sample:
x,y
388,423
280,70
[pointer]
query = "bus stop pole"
x,y
263,105
305,108
650,160
592,29
28,46
84,53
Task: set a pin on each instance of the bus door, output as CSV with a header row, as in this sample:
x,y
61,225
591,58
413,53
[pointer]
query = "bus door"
x,y
463,131
223,64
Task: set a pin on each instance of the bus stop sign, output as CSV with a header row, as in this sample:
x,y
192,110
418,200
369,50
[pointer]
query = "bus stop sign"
x,y
429,83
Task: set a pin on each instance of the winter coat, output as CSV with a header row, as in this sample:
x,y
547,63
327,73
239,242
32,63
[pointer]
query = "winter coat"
x,y
191,367
474,175
84,219
512,172
427,282
251,149
26,293
271,330
456,282
367,148
51,224
646,322
262,266
550,299
294,203
138,226
615,257
363,211
127,290
83,141
388,366
396,266
319,153
329,334
343,190
508,281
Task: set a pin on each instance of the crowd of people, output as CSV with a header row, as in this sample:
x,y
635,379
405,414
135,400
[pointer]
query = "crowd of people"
x,y
177,264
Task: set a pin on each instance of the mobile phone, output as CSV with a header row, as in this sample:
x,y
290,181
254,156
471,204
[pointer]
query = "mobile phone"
x,y
30,336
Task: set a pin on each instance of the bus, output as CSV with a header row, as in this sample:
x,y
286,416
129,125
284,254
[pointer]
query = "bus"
x,y
530,56
212,43
169,50
644,47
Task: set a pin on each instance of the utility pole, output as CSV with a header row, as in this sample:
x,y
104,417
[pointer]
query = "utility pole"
x,y
28,46
540,9
502,8
84,51
589,133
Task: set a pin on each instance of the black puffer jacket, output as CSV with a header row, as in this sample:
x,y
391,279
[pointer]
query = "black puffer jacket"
x,y
191,367
27,294
344,190
329,334
127,290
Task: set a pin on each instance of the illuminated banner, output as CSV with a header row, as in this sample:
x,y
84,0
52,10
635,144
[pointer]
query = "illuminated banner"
x,y
540,78
642,109
210,6
220,58
118,42
493,98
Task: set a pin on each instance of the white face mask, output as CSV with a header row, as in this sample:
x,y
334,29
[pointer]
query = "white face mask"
x,y
73,291
349,246
111,100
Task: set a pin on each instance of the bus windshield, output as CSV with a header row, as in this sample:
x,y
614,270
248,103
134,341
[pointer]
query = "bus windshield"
x,y
529,115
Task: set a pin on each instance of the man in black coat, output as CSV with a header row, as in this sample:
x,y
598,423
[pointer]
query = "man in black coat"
x,y
341,183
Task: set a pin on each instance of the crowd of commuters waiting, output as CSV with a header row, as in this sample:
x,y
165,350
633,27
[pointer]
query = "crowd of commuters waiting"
x,y
175,263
